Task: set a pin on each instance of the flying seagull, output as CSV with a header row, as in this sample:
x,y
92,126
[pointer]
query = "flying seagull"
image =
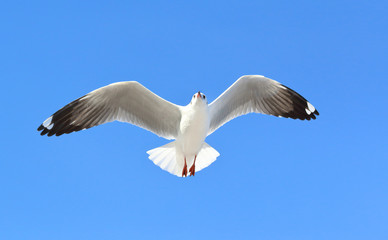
x,y
189,125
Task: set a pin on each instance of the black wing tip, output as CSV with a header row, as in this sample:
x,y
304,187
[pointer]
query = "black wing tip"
x,y
58,132
60,122
308,117
311,116
58,129
43,131
303,109
40,128
300,114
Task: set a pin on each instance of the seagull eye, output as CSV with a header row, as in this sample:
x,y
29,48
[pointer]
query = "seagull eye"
x,y
204,96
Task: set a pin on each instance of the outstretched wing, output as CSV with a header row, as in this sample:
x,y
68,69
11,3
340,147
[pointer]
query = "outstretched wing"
x,y
255,93
122,101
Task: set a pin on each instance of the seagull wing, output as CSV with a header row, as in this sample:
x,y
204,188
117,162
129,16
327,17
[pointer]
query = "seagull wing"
x,y
254,93
122,101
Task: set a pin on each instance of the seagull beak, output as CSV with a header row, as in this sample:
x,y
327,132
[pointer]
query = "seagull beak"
x,y
199,94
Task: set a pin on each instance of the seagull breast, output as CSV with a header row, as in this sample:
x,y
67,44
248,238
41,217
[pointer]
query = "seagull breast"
x,y
194,126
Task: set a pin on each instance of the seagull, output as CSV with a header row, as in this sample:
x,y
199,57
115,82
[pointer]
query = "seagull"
x,y
188,125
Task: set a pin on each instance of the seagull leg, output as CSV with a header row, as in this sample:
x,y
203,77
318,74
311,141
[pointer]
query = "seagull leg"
x,y
184,171
192,169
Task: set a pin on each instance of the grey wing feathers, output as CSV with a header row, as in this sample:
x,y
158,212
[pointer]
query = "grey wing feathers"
x,y
254,93
123,101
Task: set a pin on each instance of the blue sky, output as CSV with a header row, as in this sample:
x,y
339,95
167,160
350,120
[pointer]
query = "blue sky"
x,y
275,178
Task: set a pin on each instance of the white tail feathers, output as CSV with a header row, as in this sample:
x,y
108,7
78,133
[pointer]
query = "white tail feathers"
x,y
166,158
206,156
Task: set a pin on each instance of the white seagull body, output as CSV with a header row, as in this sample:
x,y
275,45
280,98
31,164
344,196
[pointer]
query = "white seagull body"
x,y
189,125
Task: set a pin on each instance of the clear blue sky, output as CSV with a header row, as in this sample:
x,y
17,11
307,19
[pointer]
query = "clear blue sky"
x,y
275,178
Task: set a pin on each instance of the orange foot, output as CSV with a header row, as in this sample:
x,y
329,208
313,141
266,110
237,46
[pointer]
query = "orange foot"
x,y
184,171
192,169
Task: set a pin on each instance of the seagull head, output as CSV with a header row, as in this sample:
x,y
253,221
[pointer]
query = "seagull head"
x,y
199,98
